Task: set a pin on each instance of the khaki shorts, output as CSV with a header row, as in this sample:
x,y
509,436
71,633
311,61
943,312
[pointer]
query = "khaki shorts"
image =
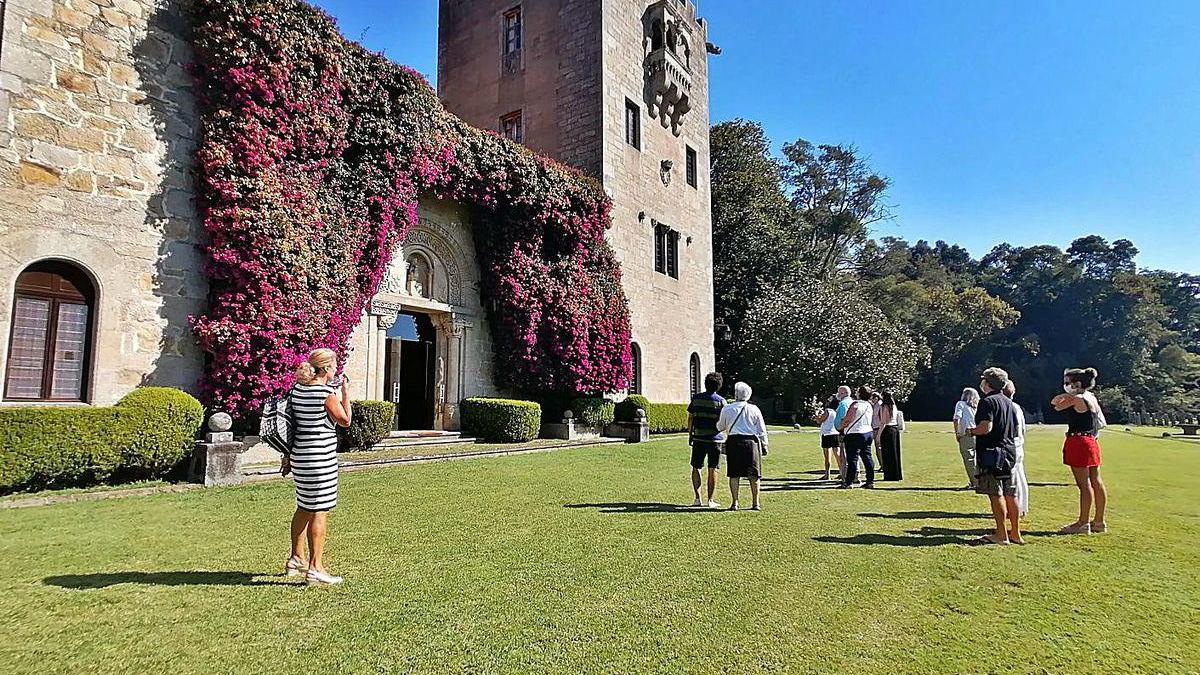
x,y
995,486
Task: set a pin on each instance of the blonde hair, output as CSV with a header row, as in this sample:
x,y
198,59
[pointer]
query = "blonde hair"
x,y
320,363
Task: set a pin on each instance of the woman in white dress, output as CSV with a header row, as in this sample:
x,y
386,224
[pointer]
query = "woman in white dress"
x,y
1019,479
319,407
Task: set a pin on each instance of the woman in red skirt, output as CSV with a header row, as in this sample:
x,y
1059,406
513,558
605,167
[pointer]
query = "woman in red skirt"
x,y
1081,451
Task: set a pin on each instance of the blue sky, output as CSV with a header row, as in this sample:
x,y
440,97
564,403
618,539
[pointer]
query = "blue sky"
x,y
1020,122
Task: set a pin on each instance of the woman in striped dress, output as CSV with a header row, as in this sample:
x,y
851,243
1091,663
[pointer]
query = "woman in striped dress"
x,y
318,407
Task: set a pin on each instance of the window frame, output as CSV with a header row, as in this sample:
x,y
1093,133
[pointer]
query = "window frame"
x,y
519,118
691,164
635,381
86,297
516,27
695,373
672,254
633,124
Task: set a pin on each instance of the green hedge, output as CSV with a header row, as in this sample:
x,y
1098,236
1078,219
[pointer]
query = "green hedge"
x,y
663,418
144,436
593,412
501,420
370,422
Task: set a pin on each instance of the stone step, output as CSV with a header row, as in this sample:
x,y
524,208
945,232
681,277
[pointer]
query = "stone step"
x,y
422,441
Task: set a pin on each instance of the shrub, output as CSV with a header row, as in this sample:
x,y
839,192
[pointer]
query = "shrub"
x,y
144,436
501,420
626,410
663,418
667,418
593,412
370,422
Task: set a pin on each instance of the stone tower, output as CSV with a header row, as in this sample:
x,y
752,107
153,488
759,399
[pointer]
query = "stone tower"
x,y
618,89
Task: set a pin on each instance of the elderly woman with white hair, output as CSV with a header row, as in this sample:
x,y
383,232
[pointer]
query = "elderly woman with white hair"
x,y
746,442
964,421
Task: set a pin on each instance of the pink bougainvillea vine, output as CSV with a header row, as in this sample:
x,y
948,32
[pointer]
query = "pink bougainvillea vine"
x,y
313,158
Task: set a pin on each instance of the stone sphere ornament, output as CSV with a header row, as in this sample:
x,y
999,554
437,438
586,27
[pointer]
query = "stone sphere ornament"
x,y
220,422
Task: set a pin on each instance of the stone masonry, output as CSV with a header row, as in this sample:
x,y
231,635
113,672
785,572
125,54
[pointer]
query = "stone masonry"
x,y
97,129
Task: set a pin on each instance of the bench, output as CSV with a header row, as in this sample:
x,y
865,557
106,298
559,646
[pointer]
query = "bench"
x,y
1190,429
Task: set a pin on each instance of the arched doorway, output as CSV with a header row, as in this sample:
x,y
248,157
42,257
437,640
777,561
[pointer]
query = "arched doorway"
x,y
50,342
409,370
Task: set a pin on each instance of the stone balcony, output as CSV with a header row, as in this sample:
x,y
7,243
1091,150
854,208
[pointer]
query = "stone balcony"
x,y
668,86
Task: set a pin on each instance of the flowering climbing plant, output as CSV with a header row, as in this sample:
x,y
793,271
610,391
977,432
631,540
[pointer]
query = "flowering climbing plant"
x,y
313,157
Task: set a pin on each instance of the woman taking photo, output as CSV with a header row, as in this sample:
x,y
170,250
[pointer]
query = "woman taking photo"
x,y
831,439
964,421
891,423
319,406
745,443
1081,450
856,426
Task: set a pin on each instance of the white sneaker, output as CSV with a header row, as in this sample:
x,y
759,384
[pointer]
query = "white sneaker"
x,y
295,567
712,504
697,502
315,578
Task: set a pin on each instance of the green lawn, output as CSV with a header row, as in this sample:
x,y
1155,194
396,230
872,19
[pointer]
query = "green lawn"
x,y
583,560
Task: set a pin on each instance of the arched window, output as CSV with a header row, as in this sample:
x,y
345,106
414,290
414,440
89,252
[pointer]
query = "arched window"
x,y
694,373
635,382
50,339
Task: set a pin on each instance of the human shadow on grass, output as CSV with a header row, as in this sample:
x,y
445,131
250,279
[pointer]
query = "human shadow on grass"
x,y
871,539
643,507
926,515
81,582
788,484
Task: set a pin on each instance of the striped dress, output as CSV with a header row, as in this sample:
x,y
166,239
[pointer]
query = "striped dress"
x,y
314,448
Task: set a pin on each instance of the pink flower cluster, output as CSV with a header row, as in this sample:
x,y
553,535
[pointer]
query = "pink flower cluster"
x,y
313,159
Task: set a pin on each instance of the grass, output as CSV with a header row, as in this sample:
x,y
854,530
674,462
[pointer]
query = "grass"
x,y
584,560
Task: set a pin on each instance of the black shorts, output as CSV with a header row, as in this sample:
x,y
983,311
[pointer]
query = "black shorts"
x,y
706,450
831,441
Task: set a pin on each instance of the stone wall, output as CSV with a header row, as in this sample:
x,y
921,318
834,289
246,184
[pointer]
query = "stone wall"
x,y
672,318
97,130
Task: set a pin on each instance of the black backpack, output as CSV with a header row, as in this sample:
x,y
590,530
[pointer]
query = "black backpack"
x,y
278,426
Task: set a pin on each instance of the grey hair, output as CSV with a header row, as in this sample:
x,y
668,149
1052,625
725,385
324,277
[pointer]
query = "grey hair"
x,y
742,391
971,396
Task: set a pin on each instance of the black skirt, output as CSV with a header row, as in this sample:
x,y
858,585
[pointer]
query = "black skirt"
x,y
889,448
743,456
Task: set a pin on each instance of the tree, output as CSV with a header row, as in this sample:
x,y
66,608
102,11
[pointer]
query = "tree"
x,y
837,198
805,337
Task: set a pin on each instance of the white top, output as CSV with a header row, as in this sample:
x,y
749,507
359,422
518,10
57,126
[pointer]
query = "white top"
x,y
749,423
859,414
964,417
1019,441
827,426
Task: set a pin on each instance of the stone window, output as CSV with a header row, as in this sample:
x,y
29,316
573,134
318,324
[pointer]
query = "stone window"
x,y
633,124
694,373
511,39
691,166
666,251
50,345
635,381
512,126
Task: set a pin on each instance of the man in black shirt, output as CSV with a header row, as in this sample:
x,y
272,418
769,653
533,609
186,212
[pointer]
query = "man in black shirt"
x,y
996,429
706,441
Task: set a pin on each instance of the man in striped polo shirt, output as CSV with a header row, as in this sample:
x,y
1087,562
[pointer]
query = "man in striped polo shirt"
x,y
707,443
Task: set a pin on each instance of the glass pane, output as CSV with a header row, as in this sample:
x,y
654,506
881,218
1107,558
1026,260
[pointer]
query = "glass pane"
x,y
70,339
27,356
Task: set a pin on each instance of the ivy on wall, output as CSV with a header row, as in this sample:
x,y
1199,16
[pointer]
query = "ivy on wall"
x,y
314,154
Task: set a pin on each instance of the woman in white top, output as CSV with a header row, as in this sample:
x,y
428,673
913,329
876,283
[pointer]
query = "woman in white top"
x,y
856,426
831,438
745,443
1018,473
964,421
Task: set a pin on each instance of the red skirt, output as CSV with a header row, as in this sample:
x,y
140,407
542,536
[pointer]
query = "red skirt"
x,y
1081,451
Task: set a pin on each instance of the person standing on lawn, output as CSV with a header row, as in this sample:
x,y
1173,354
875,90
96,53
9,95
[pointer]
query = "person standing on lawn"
x,y
891,424
320,404
707,442
1081,450
831,438
964,421
996,429
746,443
856,428
1022,483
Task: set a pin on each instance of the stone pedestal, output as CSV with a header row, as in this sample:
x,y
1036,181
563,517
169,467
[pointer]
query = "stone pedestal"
x,y
217,463
637,431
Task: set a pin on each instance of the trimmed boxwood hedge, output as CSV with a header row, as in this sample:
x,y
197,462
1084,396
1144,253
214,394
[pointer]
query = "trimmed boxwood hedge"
x,y
370,422
144,436
500,420
593,412
663,418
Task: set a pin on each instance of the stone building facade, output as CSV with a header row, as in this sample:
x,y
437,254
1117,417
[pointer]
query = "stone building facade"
x,y
100,245
618,89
